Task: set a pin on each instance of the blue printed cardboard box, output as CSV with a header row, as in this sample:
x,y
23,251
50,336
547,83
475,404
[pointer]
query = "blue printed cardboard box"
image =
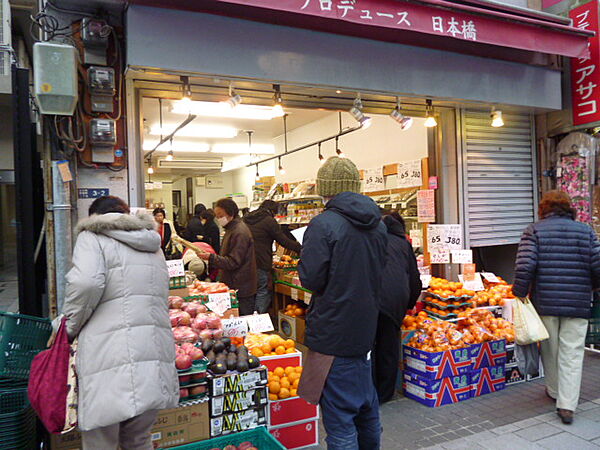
x,y
437,365
434,393
488,380
488,354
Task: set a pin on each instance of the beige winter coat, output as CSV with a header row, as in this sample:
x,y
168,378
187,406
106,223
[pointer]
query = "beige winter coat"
x,y
116,302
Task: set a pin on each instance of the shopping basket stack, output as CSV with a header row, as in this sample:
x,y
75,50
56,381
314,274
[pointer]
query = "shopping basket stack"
x,y
21,338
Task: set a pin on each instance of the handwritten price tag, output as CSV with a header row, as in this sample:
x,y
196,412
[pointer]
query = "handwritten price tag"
x,y
294,294
440,255
175,268
219,303
374,180
426,205
259,323
462,256
445,236
475,285
307,298
235,327
409,174
490,277
416,238
425,280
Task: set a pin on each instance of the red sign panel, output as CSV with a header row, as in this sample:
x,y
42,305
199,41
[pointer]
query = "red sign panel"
x,y
585,71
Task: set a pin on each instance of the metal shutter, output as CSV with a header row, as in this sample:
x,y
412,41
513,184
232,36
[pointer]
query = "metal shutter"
x,y
498,168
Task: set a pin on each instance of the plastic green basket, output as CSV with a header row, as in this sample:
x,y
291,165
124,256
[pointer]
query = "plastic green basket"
x,y
259,437
177,283
21,338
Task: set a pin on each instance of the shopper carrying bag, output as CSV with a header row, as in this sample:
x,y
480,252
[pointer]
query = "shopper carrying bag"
x,y
558,266
529,328
52,386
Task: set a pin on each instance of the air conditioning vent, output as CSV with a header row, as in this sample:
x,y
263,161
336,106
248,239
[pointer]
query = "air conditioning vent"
x,y
5,46
191,164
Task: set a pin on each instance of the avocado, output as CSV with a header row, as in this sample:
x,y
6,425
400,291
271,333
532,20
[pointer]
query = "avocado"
x,y
221,357
219,346
253,362
218,368
211,356
242,349
207,345
242,365
231,361
226,341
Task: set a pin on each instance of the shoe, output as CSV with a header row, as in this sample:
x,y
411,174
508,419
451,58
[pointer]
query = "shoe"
x,y
548,395
566,416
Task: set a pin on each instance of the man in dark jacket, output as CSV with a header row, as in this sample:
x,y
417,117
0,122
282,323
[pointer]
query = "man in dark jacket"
x,y
194,232
265,230
558,266
342,260
401,288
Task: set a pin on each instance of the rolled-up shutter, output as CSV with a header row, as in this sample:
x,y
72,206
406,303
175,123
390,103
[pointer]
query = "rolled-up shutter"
x,y
498,168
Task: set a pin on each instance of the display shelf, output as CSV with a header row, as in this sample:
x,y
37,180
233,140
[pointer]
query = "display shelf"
x,y
298,199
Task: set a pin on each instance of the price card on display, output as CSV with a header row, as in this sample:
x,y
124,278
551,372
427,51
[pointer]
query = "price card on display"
x,y
409,174
469,272
416,238
440,255
426,205
235,327
433,182
490,277
425,280
462,256
175,268
294,294
475,285
219,303
448,236
259,323
374,180
307,298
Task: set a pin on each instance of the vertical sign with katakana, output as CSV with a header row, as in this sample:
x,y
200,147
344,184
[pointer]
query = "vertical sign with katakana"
x,y
585,72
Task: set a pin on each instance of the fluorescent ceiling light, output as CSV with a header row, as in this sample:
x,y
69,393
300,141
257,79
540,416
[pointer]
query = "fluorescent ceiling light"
x,y
222,109
238,162
262,149
178,146
200,131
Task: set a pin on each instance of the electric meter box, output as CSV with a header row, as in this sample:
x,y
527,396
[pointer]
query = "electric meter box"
x,y
55,78
101,80
103,132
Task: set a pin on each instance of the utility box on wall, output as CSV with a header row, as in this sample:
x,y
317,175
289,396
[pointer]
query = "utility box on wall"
x,y
214,182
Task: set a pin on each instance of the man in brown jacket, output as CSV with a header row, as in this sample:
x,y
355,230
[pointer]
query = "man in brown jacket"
x,y
236,263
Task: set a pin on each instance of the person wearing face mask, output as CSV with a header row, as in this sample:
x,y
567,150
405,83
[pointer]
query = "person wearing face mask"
x,y
236,261
212,235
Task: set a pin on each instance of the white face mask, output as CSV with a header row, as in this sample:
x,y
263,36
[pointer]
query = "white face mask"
x,y
222,221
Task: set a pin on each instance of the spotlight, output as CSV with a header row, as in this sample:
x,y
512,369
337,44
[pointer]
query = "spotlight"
x,y
234,99
281,169
321,158
396,114
357,113
150,170
170,156
277,102
187,88
497,120
337,149
430,120
257,174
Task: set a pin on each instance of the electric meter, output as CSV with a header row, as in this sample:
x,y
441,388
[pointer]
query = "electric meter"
x,y
103,132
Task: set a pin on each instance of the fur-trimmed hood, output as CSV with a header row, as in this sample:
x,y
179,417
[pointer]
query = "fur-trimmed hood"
x,y
138,232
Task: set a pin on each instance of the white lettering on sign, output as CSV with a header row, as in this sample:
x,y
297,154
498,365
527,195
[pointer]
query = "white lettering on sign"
x,y
440,255
175,268
446,236
374,180
462,256
409,174
465,30
219,303
259,323
235,327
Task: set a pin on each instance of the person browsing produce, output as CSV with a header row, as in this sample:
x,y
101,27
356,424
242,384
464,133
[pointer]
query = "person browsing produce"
x,y
194,232
342,261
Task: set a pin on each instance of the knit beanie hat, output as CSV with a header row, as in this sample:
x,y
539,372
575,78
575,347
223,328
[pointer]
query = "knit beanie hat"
x,y
337,175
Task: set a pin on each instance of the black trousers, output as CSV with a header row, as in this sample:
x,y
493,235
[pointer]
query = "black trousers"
x,y
386,355
247,305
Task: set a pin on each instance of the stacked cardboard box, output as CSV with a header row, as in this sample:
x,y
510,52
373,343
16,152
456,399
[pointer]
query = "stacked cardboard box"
x,y
489,361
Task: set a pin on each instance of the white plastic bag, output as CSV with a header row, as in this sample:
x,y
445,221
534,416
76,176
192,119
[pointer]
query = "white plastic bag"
x,y
529,328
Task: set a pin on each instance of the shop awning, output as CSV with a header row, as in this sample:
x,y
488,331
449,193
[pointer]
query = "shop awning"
x,y
431,23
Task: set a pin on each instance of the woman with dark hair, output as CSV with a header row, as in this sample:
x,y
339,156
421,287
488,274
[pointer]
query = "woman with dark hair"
x,y
401,287
236,263
194,232
558,266
212,234
164,228
116,306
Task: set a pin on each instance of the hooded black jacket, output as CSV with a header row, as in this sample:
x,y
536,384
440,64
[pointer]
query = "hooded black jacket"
x,y
265,230
401,284
342,261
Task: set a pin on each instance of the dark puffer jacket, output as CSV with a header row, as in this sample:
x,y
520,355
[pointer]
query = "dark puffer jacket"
x,y
558,265
342,260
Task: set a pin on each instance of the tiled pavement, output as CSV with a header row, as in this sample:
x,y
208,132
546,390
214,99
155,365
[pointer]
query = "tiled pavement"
x,y
519,417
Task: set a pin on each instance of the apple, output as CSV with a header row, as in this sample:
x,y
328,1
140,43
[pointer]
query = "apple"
x,y
175,302
196,354
217,334
197,390
183,362
184,393
187,347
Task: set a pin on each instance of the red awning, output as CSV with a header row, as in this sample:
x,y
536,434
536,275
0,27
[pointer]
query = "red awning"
x,y
472,22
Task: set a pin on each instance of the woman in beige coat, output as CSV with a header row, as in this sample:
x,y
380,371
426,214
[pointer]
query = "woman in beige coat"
x,y
116,304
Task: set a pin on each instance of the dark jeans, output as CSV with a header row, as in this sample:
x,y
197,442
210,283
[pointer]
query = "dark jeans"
x,y
350,407
263,293
385,358
247,305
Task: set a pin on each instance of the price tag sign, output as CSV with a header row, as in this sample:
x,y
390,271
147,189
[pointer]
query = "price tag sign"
x,y
307,298
425,280
426,205
296,281
433,182
416,238
235,327
374,180
475,285
409,174
175,268
446,236
462,256
469,272
219,303
440,255
259,323
490,277
294,294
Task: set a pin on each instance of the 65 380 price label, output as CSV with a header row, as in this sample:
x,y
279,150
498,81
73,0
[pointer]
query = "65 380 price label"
x,y
446,236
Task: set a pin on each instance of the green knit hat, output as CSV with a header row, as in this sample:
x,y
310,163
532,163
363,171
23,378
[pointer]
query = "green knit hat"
x,y
337,175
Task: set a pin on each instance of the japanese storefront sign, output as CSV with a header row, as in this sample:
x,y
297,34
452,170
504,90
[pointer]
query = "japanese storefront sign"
x,y
374,180
409,174
445,236
585,71
426,205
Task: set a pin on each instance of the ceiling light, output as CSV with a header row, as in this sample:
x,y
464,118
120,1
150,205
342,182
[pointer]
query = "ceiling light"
x,y
277,102
150,170
170,156
200,131
321,158
338,92
222,109
234,99
357,113
257,174
262,149
187,88
281,169
178,146
237,163
497,120
404,121
337,148
430,119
